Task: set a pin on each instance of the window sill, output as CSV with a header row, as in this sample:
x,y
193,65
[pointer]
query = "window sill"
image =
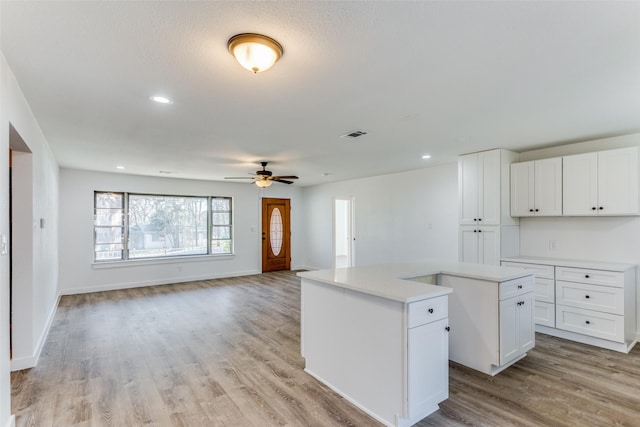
x,y
98,265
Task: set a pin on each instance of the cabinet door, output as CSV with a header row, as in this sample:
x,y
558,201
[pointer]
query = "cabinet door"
x,y
489,245
489,189
509,348
468,185
469,245
522,189
525,323
580,184
618,181
428,372
548,187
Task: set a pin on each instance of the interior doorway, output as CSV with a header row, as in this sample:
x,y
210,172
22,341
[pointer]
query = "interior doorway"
x,y
276,234
343,238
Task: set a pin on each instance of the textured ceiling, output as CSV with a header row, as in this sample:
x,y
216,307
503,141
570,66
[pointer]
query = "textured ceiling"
x,y
442,78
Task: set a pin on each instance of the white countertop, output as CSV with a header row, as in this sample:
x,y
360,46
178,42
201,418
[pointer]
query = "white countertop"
x,y
576,263
390,281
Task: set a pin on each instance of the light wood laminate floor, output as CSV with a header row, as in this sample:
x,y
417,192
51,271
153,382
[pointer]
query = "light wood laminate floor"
x,y
226,353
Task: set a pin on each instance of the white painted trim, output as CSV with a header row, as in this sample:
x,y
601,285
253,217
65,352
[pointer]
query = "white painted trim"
x,y
584,339
11,422
130,285
32,361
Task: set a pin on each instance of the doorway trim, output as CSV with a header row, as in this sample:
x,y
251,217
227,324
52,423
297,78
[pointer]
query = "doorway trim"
x,y
349,230
280,238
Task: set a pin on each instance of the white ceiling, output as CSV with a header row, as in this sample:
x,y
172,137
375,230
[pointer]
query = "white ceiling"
x,y
435,77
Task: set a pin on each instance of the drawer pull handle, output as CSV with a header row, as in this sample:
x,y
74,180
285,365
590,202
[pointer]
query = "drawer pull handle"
x,y
587,322
519,286
447,328
586,276
587,296
431,311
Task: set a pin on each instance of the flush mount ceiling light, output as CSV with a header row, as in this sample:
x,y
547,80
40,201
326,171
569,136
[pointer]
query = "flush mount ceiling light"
x,y
255,52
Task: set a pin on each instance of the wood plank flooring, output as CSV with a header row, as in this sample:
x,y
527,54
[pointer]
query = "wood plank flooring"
x,y
226,353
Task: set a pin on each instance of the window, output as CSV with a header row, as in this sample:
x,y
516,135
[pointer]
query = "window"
x,y
139,226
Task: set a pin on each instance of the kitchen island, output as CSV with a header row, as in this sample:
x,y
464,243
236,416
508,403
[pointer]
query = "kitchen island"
x,y
381,336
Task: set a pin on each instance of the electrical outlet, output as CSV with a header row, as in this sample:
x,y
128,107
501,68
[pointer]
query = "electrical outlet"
x,y
552,245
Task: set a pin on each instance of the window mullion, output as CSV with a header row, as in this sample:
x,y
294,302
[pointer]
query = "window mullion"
x,y
125,225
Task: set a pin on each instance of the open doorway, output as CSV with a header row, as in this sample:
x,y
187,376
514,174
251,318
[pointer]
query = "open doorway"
x,y
343,237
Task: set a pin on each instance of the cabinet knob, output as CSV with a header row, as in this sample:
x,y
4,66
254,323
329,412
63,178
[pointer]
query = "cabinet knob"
x,y
537,210
479,231
530,210
587,322
475,231
593,208
430,311
447,328
587,296
479,219
586,276
475,219
601,208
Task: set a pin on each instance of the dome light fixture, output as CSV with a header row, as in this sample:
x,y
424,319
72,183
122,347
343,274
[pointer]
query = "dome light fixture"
x,y
264,183
255,52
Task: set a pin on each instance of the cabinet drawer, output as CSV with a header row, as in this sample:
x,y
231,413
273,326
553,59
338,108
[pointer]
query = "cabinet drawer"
x,y
428,310
594,277
511,288
545,290
541,271
544,314
591,297
588,322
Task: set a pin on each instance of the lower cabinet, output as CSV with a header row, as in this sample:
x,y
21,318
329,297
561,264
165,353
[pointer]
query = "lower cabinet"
x,y
428,370
517,333
588,302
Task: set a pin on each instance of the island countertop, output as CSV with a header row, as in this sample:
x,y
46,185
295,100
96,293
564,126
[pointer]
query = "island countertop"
x,y
393,281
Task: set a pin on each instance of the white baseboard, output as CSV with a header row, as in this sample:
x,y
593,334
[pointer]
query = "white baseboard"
x,y
130,285
18,364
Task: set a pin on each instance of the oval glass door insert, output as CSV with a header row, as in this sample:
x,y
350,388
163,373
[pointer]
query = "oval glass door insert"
x,y
275,231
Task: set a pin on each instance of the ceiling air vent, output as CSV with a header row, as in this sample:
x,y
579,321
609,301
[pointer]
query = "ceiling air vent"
x,y
353,134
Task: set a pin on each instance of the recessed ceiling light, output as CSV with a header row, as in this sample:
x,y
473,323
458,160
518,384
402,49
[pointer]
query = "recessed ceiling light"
x,y
426,156
119,167
161,99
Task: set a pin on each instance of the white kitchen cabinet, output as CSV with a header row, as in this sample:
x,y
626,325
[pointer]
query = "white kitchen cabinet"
x,y
602,183
536,188
595,303
480,245
517,334
384,354
483,182
490,327
428,370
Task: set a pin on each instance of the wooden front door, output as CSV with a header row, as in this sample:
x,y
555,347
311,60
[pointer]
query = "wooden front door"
x,y
276,235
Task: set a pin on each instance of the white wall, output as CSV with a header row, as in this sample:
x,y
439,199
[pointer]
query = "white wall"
x,y
78,272
403,217
610,239
39,292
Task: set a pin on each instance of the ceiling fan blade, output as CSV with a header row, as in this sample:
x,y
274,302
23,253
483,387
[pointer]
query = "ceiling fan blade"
x,y
238,177
284,177
284,181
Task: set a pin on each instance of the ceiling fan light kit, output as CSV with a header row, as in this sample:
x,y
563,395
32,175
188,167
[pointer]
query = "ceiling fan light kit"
x,y
255,52
265,178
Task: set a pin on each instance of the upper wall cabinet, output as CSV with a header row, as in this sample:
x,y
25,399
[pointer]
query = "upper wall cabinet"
x,y
602,183
536,188
482,187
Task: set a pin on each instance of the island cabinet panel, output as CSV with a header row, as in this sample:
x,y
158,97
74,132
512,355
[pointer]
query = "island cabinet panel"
x,y
387,357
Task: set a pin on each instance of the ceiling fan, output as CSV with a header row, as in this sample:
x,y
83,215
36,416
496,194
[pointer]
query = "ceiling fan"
x,y
265,178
